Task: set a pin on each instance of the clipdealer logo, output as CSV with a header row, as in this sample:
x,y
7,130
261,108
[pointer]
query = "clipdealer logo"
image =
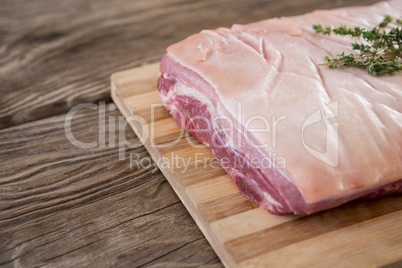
x,y
330,115
148,131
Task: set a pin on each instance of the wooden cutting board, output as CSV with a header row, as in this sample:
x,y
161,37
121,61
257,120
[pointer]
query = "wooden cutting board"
x,y
367,234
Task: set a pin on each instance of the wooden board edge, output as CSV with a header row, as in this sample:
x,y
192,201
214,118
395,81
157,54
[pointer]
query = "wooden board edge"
x,y
220,250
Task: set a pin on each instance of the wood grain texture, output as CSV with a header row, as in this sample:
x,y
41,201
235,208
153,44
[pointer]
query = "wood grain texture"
x,y
57,54
354,235
66,206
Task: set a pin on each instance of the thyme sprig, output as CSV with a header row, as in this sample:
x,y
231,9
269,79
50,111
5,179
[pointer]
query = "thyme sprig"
x,y
381,53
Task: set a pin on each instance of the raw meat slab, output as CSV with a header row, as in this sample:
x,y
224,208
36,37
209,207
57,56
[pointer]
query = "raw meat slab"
x,y
354,235
294,136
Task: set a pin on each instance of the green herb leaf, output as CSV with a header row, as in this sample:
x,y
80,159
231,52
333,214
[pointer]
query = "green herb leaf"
x,y
381,53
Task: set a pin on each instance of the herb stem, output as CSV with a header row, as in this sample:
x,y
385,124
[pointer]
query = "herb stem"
x,y
381,53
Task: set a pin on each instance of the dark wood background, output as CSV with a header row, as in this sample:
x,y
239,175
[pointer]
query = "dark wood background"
x,y
66,206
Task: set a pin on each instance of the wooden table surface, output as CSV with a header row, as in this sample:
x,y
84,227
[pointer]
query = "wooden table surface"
x,y
61,205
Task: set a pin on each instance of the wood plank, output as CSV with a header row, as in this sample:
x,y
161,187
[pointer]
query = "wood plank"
x,y
381,238
56,55
242,234
315,225
61,205
243,224
214,188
